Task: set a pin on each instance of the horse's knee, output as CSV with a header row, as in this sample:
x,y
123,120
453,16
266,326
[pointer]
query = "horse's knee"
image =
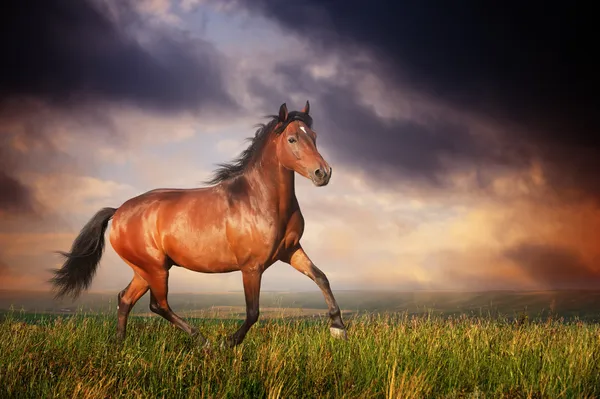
x,y
121,294
253,316
122,305
156,308
321,278
335,313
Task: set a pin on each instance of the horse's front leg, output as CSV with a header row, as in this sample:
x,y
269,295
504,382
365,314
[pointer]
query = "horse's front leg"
x,y
251,280
301,262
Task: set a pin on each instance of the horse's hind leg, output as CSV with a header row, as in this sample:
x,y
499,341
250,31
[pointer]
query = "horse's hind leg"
x,y
127,299
159,304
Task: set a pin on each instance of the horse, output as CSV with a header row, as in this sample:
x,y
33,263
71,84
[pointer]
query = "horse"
x,y
245,219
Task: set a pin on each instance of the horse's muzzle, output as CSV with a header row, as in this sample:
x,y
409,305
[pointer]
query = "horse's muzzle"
x,y
320,177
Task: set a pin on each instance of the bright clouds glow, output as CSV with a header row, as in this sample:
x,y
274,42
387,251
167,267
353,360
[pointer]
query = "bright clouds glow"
x,y
363,232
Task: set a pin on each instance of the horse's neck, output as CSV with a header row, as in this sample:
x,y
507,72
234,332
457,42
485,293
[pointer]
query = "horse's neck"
x,y
287,189
276,185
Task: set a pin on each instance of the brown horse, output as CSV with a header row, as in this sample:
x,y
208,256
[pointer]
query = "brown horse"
x,y
247,220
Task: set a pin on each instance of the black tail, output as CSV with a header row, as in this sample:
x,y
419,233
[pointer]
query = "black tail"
x,y
78,270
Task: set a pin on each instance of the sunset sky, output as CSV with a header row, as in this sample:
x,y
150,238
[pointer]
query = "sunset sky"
x,y
464,138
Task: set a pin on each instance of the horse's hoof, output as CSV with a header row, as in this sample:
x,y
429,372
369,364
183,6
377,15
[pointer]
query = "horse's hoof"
x,y
118,340
338,333
229,343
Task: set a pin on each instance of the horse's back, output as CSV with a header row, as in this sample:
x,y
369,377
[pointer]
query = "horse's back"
x,y
187,225
136,225
145,204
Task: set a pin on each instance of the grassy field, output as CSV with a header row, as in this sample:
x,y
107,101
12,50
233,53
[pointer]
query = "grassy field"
x,y
387,355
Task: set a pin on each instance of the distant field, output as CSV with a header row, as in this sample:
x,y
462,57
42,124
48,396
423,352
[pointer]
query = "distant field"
x,y
571,305
386,356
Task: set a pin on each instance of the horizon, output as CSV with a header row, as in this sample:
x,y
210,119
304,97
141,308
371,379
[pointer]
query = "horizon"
x,y
110,292
567,305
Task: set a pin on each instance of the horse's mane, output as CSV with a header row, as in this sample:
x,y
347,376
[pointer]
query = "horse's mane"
x,y
239,165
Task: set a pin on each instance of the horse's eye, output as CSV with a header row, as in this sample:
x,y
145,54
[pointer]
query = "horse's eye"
x,y
291,140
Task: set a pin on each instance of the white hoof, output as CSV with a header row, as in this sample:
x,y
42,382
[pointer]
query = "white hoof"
x,y
338,333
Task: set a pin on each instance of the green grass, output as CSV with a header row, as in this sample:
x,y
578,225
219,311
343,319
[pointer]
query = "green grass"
x,y
388,355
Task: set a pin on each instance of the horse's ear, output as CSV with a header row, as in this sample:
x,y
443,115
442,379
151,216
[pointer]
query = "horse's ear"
x,y
283,113
306,108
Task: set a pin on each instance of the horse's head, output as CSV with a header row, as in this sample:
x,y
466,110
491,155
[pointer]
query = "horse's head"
x,y
297,146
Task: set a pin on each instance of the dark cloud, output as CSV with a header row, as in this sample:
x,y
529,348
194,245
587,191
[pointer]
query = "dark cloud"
x,y
381,145
267,94
65,51
62,60
524,63
554,267
4,271
14,196
518,57
423,149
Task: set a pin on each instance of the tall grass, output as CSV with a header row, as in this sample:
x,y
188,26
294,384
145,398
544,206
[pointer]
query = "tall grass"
x,y
387,356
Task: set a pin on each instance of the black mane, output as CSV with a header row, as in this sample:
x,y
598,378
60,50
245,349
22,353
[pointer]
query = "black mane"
x,y
238,166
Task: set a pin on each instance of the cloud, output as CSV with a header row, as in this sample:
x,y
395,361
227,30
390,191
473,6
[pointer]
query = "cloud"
x,y
475,268
438,184
71,65
554,266
162,10
14,196
462,52
3,268
365,130
19,245
503,62
25,258
401,239
69,51
79,194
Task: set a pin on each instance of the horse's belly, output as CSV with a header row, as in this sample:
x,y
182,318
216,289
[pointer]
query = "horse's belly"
x,y
211,268
204,258
201,252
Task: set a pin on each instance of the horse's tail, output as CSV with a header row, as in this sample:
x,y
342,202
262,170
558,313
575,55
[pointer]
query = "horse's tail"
x,y
81,263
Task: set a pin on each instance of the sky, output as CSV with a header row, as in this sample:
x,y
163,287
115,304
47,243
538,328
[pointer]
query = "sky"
x,y
464,136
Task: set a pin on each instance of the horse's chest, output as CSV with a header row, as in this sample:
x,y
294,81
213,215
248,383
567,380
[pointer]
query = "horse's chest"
x,y
251,237
259,241
288,236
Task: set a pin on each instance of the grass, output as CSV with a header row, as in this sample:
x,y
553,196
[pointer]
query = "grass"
x,y
387,356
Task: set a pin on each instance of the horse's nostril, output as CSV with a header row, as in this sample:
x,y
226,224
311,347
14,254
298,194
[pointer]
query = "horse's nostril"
x,y
319,173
